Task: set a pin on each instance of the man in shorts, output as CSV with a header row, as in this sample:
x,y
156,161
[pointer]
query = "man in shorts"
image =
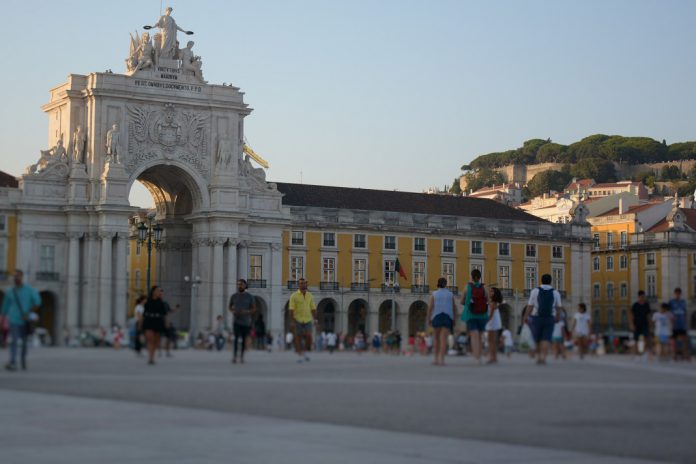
x,y
542,312
680,339
303,312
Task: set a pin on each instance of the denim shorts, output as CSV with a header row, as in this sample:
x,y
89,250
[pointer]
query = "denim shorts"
x,y
475,324
542,328
303,329
443,321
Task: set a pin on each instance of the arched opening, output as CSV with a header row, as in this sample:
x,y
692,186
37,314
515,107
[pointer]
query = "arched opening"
x,y
417,314
326,314
357,317
385,316
260,323
175,191
46,325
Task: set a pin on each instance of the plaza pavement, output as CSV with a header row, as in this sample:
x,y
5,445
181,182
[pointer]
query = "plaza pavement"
x,y
84,405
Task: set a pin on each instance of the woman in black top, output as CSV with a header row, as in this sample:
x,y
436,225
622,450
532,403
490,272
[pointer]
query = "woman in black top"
x,y
154,321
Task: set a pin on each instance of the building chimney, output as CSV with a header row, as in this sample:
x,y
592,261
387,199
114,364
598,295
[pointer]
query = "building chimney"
x,y
622,206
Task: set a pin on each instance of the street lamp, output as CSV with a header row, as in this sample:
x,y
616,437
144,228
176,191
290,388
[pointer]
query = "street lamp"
x,y
195,281
148,234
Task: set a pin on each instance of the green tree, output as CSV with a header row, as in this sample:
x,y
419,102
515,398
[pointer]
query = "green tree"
x,y
671,172
483,178
601,170
546,181
456,188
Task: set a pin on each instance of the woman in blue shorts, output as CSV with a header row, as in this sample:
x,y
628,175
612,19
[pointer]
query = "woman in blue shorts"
x,y
441,310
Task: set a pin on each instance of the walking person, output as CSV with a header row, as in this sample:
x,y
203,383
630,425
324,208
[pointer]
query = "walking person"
x,y
508,342
475,314
442,309
154,322
303,311
663,321
219,333
581,329
260,330
243,307
19,302
494,324
542,312
138,313
680,338
640,324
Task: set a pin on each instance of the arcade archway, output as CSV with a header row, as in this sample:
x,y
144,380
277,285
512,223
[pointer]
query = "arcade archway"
x,y
326,314
417,314
357,317
385,316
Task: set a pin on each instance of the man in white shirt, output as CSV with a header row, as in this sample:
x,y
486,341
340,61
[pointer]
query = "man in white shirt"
x,y
542,312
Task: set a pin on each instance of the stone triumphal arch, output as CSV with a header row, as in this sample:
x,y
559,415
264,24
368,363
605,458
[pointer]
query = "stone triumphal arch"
x,y
161,124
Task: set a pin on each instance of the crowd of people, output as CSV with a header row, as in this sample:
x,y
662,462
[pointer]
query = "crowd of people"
x,y
547,327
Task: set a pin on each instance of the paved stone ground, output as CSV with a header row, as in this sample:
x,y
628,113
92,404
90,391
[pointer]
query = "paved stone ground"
x,y
79,405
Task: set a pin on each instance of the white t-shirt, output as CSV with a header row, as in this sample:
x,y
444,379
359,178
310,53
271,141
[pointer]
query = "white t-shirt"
x,y
663,324
331,339
534,299
558,329
139,310
495,323
582,323
507,338
289,337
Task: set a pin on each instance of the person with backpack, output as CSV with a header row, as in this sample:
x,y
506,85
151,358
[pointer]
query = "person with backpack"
x,y
542,312
475,313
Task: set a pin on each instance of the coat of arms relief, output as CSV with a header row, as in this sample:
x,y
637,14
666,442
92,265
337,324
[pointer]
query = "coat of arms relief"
x,y
167,133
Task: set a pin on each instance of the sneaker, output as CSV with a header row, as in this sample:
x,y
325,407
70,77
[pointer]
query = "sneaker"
x,y
10,367
234,360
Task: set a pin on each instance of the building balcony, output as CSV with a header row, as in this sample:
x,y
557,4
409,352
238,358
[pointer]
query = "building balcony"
x,y
359,287
389,289
328,286
454,290
256,283
420,288
293,285
47,276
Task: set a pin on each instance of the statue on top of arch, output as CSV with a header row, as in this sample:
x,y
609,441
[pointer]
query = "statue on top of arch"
x,y
147,52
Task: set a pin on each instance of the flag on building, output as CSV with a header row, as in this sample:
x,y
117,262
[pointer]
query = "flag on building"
x,y
399,268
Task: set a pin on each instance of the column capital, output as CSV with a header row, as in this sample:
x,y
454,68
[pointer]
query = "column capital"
x,y
104,235
243,243
276,246
217,241
75,235
233,242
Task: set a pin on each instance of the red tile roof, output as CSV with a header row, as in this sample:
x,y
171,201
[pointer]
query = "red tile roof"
x,y
632,209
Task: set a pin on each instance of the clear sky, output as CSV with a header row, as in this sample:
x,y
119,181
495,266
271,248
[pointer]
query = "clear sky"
x,y
392,94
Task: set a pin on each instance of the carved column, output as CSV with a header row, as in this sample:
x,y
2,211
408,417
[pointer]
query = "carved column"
x,y
120,282
203,300
217,304
230,276
243,260
275,312
194,328
24,258
106,299
90,284
72,292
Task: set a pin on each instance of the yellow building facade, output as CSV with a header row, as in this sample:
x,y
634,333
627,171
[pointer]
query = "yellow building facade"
x,y
348,255
641,248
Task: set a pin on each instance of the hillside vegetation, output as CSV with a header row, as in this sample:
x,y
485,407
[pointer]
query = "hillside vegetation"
x,y
615,148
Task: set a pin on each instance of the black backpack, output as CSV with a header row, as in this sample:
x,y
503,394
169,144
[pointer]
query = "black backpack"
x,y
545,302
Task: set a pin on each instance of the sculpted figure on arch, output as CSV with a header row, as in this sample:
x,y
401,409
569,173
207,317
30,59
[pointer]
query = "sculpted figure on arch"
x,y
168,27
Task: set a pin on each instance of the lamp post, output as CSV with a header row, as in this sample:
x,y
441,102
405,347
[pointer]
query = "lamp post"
x,y
149,234
195,282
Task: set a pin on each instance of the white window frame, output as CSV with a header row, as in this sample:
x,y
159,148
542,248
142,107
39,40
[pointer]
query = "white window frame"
x,y
610,263
504,249
297,238
328,269
623,262
479,250
558,276
384,242
648,255
324,236
530,250
531,279
47,258
444,242
360,270
415,243
595,241
389,271
651,284
596,291
449,274
623,239
255,270
623,290
610,240
504,277
596,264
297,268
555,248
419,273
364,241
